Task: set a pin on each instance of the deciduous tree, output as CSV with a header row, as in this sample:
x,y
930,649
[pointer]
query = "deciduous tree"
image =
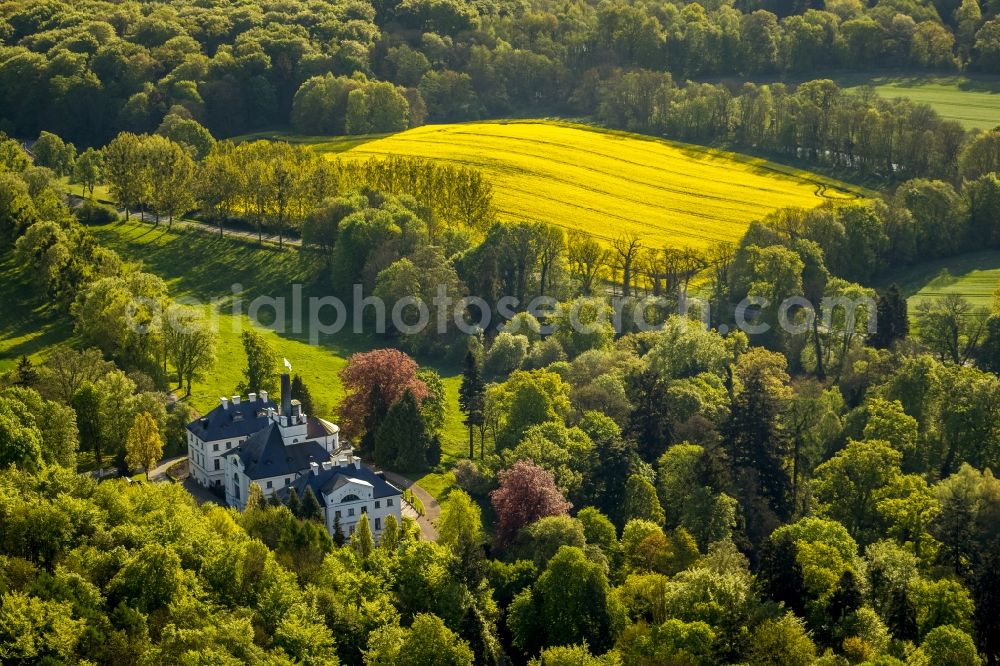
x,y
526,493
144,445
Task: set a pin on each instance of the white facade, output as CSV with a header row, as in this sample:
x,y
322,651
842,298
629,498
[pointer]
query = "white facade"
x,y
244,442
356,498
206,456
206,459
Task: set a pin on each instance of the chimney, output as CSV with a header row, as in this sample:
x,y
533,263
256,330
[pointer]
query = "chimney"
x,y
357,463
328,465
252,397
236,399
296,410
343,461
224,402
314,467
286,395
263,396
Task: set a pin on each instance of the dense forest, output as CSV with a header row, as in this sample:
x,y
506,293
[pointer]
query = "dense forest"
x,y
671,496
815,487
87,70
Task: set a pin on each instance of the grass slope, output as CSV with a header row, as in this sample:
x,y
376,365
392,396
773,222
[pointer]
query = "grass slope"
x,y
974,276
26,328
202,268
606,182
972,101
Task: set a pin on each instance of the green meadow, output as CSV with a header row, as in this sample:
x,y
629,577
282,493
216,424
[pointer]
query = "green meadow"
x,y
201,268
974,276
973,101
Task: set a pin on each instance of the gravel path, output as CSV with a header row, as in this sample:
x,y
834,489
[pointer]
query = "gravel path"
x,y
432,510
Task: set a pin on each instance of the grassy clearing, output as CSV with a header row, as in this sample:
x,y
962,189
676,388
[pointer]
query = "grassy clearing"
x,y
201,268
974,276
606,182
972,101
26,328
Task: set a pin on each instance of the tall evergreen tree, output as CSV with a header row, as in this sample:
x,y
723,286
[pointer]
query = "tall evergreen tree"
x,y
402,440
471,396
311,508
986,593
262,363
338,532
433,452
757,444
892,321
26,375
301,393
988,355
649,423
294,503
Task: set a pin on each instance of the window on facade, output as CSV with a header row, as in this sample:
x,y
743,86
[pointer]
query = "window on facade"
x,y
288,482
270,484
350,512
228,446
336,514
364,509
388,502
215,447
218,464
351,529
378,523
378,504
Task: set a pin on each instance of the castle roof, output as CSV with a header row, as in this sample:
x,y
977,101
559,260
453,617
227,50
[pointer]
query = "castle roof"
x,y
327,481
265,454
232,421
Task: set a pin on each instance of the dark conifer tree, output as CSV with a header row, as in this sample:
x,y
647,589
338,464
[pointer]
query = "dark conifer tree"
x,y
434,451
988,355
471,395
294,503
338,532
301,393
782,575
649,423
986,594
25,375
901,616
892,319
311,508
402,440
757,446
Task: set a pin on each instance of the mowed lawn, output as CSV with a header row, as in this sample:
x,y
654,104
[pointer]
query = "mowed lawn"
x,y
605,182
974,276
972,101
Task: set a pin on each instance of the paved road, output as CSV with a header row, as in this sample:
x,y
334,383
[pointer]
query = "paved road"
x,y
195,225
432,510
159,473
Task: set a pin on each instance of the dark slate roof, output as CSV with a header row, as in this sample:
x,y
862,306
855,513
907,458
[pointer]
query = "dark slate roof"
x,y
329,480
233,422
265,455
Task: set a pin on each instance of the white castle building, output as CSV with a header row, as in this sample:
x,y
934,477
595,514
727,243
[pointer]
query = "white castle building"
x,y
253,441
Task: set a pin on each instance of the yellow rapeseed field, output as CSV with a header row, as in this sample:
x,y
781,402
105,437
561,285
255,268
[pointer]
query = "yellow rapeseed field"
x,y
608,183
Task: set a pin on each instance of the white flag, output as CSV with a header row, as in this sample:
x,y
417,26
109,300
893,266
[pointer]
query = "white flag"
x,y
288,365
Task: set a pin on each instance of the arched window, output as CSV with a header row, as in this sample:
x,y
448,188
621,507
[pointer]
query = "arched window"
x,y
350,498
